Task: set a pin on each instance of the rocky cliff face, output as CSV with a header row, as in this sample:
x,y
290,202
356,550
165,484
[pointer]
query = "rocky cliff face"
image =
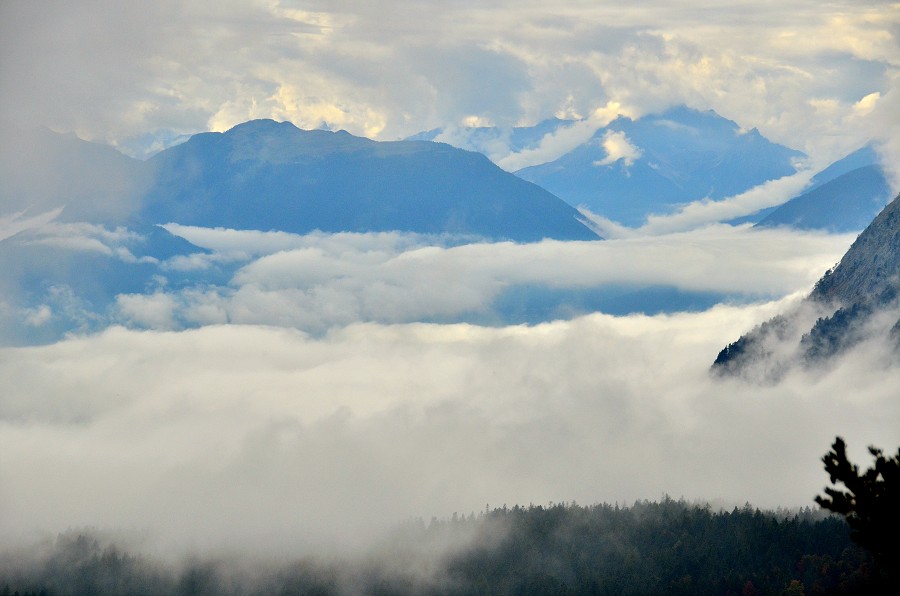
x,y
857,300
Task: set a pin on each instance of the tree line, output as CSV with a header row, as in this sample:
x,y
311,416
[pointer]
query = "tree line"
x,y
650,547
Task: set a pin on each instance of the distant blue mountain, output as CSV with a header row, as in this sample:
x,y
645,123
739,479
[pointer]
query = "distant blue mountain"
x,y
846,203
844,197
265,175
865,156
78,271
673,158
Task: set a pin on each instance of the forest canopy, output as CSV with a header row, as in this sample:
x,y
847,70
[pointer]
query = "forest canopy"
x,y
649,547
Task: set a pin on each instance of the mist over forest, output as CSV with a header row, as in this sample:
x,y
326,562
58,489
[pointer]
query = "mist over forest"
x,y
419,297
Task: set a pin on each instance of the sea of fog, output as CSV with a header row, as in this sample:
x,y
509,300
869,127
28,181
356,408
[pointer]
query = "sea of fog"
x,y
306,404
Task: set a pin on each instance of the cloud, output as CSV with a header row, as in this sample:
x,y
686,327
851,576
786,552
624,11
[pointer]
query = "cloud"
x,y
14,223
266,438
618,148
109,71
318,281
263,436
38,316
556,144
85,237
155,310
705,212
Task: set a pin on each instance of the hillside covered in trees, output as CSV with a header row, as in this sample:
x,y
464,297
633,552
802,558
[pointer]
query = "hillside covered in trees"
x,y
669,547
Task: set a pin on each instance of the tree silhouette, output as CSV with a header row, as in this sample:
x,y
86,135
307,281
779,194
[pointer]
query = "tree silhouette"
x,y
870,503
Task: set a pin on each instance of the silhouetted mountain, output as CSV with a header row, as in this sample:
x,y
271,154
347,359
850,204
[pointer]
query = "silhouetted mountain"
x,y
264,175
858,299
846,203
633,168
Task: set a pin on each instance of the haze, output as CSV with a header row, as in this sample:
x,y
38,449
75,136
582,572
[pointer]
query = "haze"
x,y
334,385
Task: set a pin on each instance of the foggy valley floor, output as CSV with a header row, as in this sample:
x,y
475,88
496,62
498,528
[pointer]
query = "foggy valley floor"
x,y
657,547
285,284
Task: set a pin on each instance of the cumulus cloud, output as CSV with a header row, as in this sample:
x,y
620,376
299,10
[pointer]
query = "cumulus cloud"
x,y
266,438
148,310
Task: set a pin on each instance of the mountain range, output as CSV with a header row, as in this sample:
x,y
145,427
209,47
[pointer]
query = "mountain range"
x,y
857,300
264,175
632,168
100,211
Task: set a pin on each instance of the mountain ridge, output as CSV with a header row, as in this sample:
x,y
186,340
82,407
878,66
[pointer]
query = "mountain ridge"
x,y
634,168
857,299
335,182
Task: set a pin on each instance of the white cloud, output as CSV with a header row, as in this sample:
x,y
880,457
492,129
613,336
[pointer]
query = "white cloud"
x,y
319,281
406,66
38,316
87,237
257,437
14,223
556,144
705,212
155,310
618,148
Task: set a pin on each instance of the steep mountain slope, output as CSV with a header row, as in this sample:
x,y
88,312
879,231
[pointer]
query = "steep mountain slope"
x,y
633,168
843,204
269,176
858,299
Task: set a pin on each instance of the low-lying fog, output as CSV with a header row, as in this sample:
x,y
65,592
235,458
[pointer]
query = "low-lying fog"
x,y
260,437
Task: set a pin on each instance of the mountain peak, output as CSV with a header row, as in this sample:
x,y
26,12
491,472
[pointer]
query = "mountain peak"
x,y
266,175
633,168
261,125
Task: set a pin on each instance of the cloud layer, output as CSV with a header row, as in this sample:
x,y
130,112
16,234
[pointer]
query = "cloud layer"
x,y
330,413
259,437
319,281
819,77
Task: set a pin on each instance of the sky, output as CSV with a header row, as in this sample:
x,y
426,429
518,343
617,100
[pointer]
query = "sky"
x,y
308,400
821,77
